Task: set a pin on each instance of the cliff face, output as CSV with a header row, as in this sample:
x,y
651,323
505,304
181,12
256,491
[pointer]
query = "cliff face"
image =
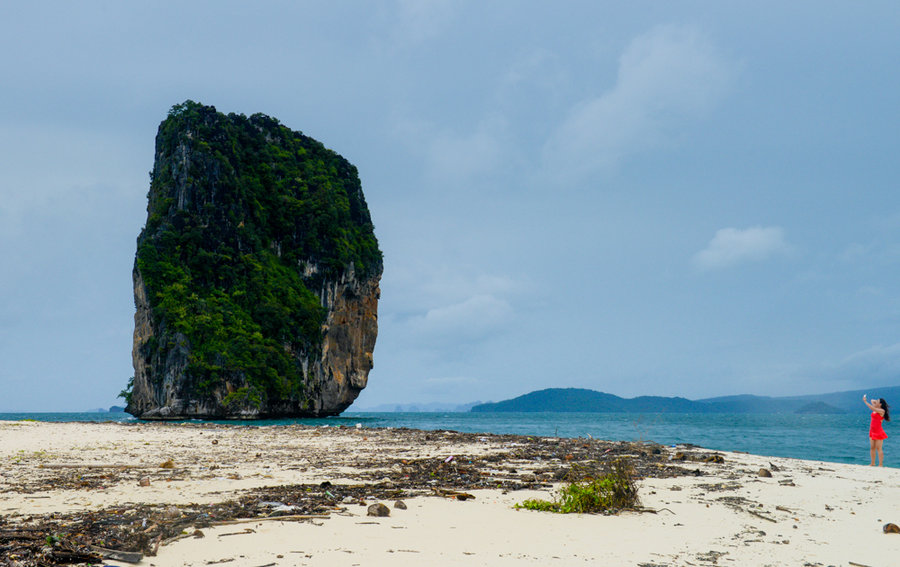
x,y
256,276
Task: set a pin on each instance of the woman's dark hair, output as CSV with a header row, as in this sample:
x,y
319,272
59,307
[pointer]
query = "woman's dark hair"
x,y
887,411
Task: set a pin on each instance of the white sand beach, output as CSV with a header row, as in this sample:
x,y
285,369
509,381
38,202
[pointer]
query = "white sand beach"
x,y
722,513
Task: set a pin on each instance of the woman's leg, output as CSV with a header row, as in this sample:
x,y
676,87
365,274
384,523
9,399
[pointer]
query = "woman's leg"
x,y
872,452
879,449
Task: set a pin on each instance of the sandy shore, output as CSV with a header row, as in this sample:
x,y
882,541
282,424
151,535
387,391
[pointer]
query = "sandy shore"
x,y
169,484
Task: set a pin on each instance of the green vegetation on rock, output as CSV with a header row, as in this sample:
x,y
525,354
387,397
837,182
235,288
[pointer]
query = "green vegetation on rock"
x,y
246,220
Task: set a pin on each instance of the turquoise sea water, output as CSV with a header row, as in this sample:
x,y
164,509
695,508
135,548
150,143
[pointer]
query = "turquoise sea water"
x,y
835,438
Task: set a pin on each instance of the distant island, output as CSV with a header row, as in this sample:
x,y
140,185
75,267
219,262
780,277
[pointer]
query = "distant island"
x,y
584,400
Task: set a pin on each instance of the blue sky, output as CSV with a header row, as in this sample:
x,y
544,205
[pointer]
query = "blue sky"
x,y
669,198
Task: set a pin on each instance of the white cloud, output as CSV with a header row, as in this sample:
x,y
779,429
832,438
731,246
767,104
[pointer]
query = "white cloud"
x,y
666,74
732,246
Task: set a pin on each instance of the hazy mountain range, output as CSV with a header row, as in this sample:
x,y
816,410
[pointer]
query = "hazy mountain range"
x,y
582,400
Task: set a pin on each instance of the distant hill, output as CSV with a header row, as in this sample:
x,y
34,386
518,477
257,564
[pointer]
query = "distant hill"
x,y
584,400
847,401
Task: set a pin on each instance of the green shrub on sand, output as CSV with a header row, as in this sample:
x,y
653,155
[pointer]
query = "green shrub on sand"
x,y
612,492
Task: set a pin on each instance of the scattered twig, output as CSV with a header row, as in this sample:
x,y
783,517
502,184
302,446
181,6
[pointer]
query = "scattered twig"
x,y
245,532
287,518
764,517
652,510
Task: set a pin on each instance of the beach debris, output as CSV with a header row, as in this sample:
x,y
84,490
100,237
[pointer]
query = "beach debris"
x,y
126,556
400,505
891,529
453,494
711,556
169,464
388,475
448,459
682,456
378,510
720,486
244,532
145,481
762,516
765,473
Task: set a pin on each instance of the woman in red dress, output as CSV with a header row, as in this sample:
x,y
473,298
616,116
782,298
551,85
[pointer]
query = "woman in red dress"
x,y
880,412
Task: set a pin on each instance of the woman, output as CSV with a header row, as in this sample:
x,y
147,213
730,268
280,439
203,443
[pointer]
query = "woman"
x,y
880,412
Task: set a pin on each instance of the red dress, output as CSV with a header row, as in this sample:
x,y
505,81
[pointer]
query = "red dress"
x,y
875,430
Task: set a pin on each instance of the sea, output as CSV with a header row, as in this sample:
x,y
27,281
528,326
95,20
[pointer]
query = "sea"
x,y
841,438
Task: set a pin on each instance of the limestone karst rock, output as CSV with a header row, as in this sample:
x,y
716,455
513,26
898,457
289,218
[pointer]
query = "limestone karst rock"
x,y
256,275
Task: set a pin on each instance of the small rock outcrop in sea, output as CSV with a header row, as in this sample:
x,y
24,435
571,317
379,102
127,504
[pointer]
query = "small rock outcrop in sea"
x,y
256,275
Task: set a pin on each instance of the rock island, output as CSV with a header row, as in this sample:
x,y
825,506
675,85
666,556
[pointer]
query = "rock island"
x,y
256,274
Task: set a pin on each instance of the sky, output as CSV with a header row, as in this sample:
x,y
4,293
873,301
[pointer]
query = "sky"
x,y
643,198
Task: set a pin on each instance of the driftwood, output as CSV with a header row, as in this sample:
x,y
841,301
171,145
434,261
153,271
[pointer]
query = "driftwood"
x,y
126,556
286,518
643,510
453,494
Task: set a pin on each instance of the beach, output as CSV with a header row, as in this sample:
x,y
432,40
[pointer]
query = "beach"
x,y
197,494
